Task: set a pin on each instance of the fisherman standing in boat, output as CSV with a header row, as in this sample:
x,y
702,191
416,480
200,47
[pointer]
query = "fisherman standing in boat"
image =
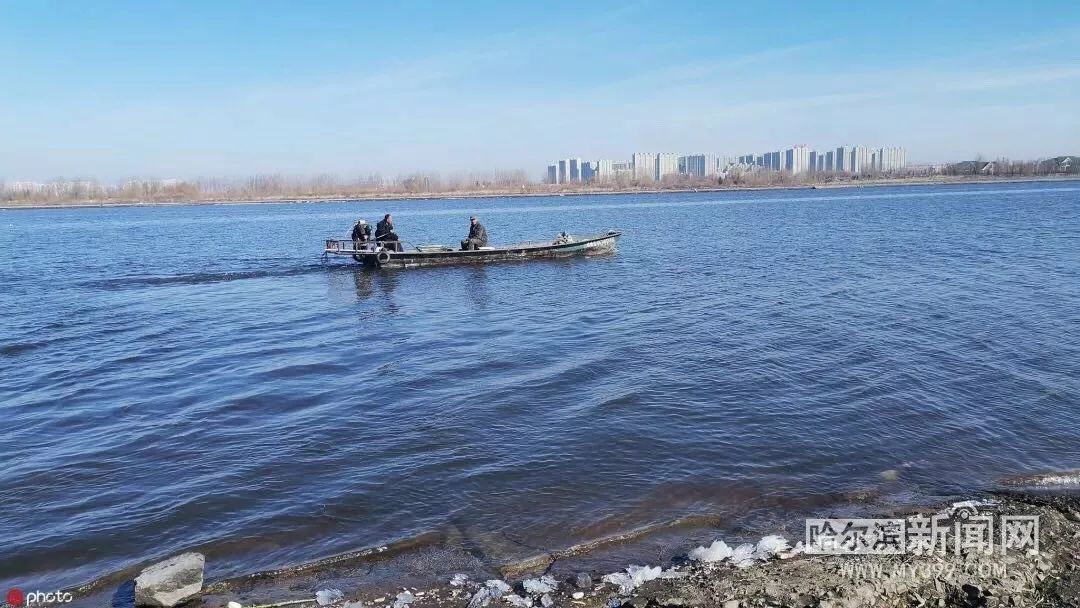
x,y
477,236
384,233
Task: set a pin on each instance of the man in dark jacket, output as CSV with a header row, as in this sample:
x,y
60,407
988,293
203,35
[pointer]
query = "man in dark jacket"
x,y
361,232
384,233
477,236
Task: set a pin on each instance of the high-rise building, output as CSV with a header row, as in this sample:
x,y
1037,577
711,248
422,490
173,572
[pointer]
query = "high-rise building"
x,y
797,159
702,165
644,165
830,160
666,164
605,171
775,161
588,171
623,170
842,162
553,174
891,159
862,159
575,169
564,171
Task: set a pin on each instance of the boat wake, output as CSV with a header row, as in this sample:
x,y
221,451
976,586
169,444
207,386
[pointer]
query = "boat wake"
x,y
199,278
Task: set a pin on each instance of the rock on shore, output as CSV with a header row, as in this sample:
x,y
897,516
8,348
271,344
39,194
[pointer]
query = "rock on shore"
x,y
167,583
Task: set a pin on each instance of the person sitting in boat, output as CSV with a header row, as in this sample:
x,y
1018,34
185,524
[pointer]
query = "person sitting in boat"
x,y
477,236
361,233
384,234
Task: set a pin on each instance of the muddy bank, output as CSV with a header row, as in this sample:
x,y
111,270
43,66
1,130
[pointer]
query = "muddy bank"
x,y
778,575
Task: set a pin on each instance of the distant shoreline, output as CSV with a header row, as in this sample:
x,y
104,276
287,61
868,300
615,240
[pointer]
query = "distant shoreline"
x,y
374,197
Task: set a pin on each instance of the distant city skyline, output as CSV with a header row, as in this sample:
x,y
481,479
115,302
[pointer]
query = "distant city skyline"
x,y
122,89
797,160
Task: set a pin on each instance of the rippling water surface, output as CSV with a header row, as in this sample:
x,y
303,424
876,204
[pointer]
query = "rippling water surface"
x,y
195,377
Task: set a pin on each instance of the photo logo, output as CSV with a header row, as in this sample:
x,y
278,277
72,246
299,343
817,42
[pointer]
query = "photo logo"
x,y
17,599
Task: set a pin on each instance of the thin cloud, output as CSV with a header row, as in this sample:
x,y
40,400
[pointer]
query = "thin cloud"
x,y
672,75
409,76
1013,78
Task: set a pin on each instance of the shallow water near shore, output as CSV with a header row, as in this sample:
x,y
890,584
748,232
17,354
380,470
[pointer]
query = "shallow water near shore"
x,y
197,378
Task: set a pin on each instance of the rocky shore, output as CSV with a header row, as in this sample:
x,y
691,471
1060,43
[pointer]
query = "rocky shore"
x,y
773,572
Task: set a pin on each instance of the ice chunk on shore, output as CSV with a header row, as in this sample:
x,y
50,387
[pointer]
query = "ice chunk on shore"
x,y
404,599
634,577
539,586
325,597
642,574
743,555
497,588
620,579
459,580
770,546
718,551
792,552
481,598
516,600
492,590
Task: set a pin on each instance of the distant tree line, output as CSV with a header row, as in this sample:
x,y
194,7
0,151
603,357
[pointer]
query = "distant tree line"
x,y
1004,167
267,186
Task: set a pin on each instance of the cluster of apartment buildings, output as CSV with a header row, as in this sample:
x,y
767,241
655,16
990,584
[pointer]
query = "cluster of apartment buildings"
x,y
796,160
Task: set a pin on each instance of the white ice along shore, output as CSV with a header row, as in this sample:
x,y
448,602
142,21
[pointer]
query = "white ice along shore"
x,y
634,576
745,555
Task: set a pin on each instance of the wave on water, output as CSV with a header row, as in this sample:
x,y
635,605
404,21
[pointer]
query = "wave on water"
x,y
1059,479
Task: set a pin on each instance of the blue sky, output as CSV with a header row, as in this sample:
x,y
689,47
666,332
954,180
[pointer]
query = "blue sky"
x,y
181,89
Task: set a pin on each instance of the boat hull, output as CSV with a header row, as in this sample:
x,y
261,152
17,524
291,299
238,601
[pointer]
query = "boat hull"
x,y
381,258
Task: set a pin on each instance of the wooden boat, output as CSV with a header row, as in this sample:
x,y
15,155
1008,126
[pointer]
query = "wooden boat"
x,y
374,254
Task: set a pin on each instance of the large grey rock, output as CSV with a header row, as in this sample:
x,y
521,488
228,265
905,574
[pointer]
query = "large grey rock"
x,y
167,583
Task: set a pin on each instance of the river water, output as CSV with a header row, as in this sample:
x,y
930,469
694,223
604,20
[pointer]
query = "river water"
x,y
195,377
